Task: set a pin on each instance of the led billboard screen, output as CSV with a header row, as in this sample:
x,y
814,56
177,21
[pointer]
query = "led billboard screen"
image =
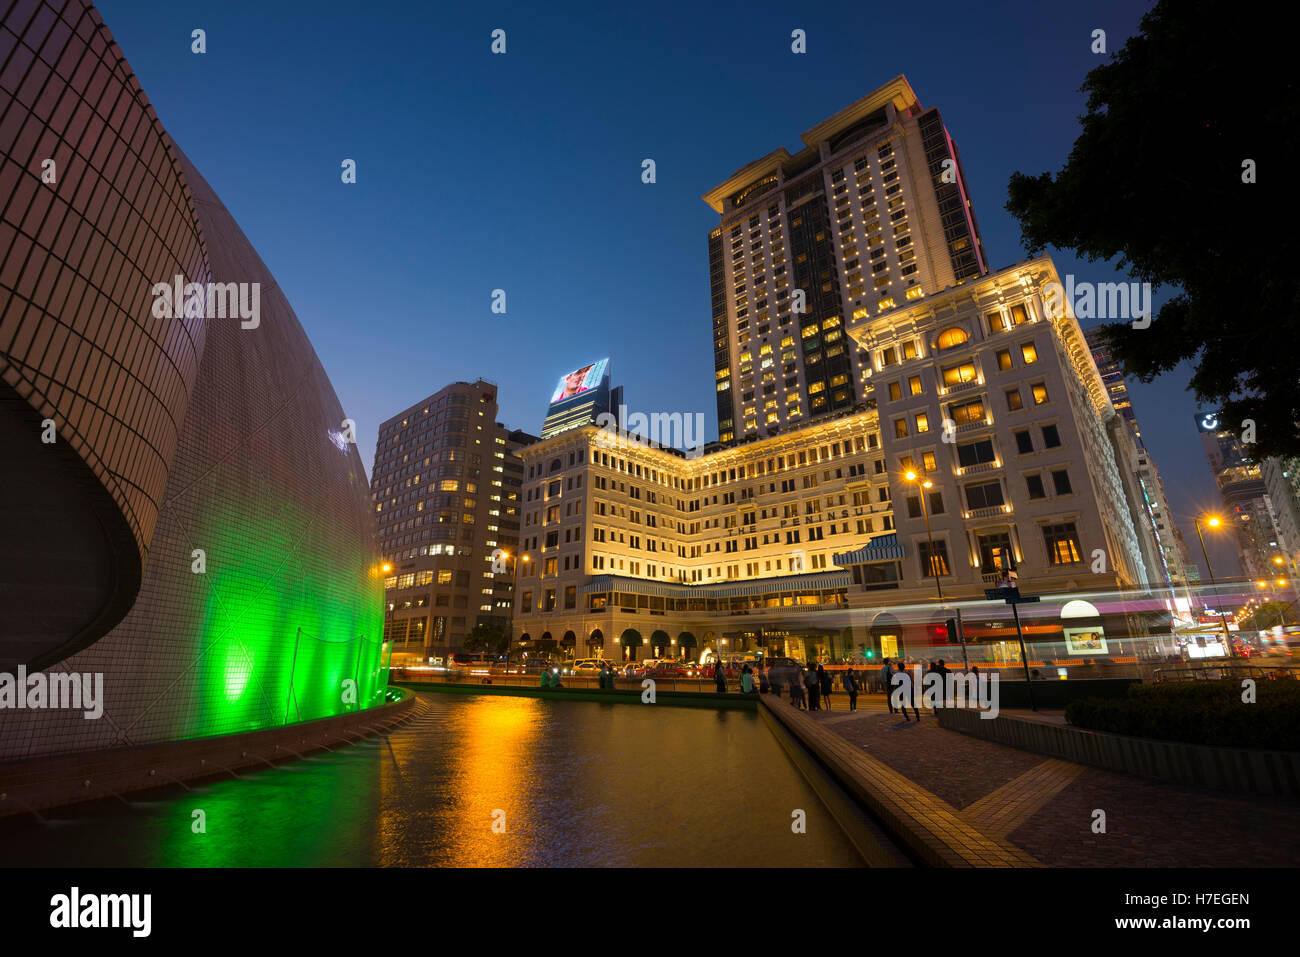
x,y
580,380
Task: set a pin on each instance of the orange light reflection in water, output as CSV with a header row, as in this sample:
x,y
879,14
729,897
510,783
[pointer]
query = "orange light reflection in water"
x,y
489,768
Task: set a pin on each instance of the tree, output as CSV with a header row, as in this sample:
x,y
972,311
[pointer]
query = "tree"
x,y
491,639
1265,616
1157,179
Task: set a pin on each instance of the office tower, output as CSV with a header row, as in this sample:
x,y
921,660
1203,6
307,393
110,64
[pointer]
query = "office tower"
x,y
1112,375
1248,510
874,210
197,532
1149,498
1282,483
581,397
445,491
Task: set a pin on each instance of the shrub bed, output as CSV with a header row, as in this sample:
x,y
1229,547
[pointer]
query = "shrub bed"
x,y
1199,712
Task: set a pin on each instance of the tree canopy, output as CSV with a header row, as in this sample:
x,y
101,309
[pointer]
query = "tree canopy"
x,y
487,638
1156,181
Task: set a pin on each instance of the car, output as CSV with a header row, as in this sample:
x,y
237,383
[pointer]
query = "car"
x,y
589,667
667,668
475,663
783,671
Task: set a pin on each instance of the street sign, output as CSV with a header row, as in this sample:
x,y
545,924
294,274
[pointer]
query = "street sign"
x,y
1011,595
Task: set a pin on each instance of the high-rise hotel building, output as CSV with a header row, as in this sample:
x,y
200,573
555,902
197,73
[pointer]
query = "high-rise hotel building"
x,y
926,424
806,539
874,208
445,491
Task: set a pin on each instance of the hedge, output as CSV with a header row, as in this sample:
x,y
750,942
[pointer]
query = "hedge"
x,y
1199,712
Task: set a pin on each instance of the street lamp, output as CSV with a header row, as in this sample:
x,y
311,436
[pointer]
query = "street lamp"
x,y
925,513
923,486
514,591
1214,522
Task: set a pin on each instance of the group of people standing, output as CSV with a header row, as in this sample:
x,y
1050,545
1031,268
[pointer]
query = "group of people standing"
x,y
811,688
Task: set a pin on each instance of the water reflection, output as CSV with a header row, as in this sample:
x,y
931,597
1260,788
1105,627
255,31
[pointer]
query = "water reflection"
x,y
576,784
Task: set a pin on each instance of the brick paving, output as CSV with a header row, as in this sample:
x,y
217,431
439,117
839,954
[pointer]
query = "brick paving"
x,y
1044,806
932,829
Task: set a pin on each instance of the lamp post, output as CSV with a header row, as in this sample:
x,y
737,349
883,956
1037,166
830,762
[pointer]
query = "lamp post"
x,y
514,592
1214,522
922,487
925,513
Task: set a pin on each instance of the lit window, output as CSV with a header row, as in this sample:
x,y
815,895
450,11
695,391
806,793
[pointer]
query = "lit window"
x,y
953,336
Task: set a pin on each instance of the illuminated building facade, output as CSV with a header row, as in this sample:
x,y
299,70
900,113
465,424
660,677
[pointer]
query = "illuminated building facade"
x,y
874,210
817,532
211,550
1170,558
445,492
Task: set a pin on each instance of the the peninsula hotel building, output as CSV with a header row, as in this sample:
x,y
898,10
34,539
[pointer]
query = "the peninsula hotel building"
x,y
924,423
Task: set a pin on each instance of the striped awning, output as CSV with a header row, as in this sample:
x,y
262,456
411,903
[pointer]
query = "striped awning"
x,y
882,549
760,586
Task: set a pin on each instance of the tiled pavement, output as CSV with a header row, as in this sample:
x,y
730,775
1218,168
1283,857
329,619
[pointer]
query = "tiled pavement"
x,y
1046,806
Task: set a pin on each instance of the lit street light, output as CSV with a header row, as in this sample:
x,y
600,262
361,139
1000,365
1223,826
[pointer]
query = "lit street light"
x,y
924,486
1214,522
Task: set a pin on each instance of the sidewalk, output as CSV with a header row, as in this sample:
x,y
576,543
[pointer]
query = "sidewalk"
x,y
1045,806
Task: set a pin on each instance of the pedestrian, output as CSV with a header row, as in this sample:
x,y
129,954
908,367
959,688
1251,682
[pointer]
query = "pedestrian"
x,y
941,668
907,693
719,677
886,681
763,685
814,689
555,679
851,686
746,680
546,678
796,691
825,685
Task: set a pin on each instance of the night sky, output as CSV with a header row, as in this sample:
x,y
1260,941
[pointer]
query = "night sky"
x,y
523,172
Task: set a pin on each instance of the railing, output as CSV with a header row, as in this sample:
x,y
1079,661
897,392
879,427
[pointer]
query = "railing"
x,y
988,512
961,387
698,683
977,469
972,426
1226,671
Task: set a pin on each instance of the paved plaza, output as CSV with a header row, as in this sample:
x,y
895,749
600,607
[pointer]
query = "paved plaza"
x,y
1045,806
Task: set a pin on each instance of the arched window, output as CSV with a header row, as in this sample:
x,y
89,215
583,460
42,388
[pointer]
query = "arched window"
x,y
952,336
556,465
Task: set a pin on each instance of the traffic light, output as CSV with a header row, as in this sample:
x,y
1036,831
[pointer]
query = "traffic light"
x,y
952,630
870,653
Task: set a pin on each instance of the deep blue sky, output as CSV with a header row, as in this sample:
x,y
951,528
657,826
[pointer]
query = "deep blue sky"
x,y
522,171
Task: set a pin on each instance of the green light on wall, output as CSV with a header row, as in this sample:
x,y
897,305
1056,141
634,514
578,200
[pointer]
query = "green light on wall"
x,y
291,628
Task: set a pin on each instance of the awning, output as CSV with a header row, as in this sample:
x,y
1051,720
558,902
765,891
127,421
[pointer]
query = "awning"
x,y
882,549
